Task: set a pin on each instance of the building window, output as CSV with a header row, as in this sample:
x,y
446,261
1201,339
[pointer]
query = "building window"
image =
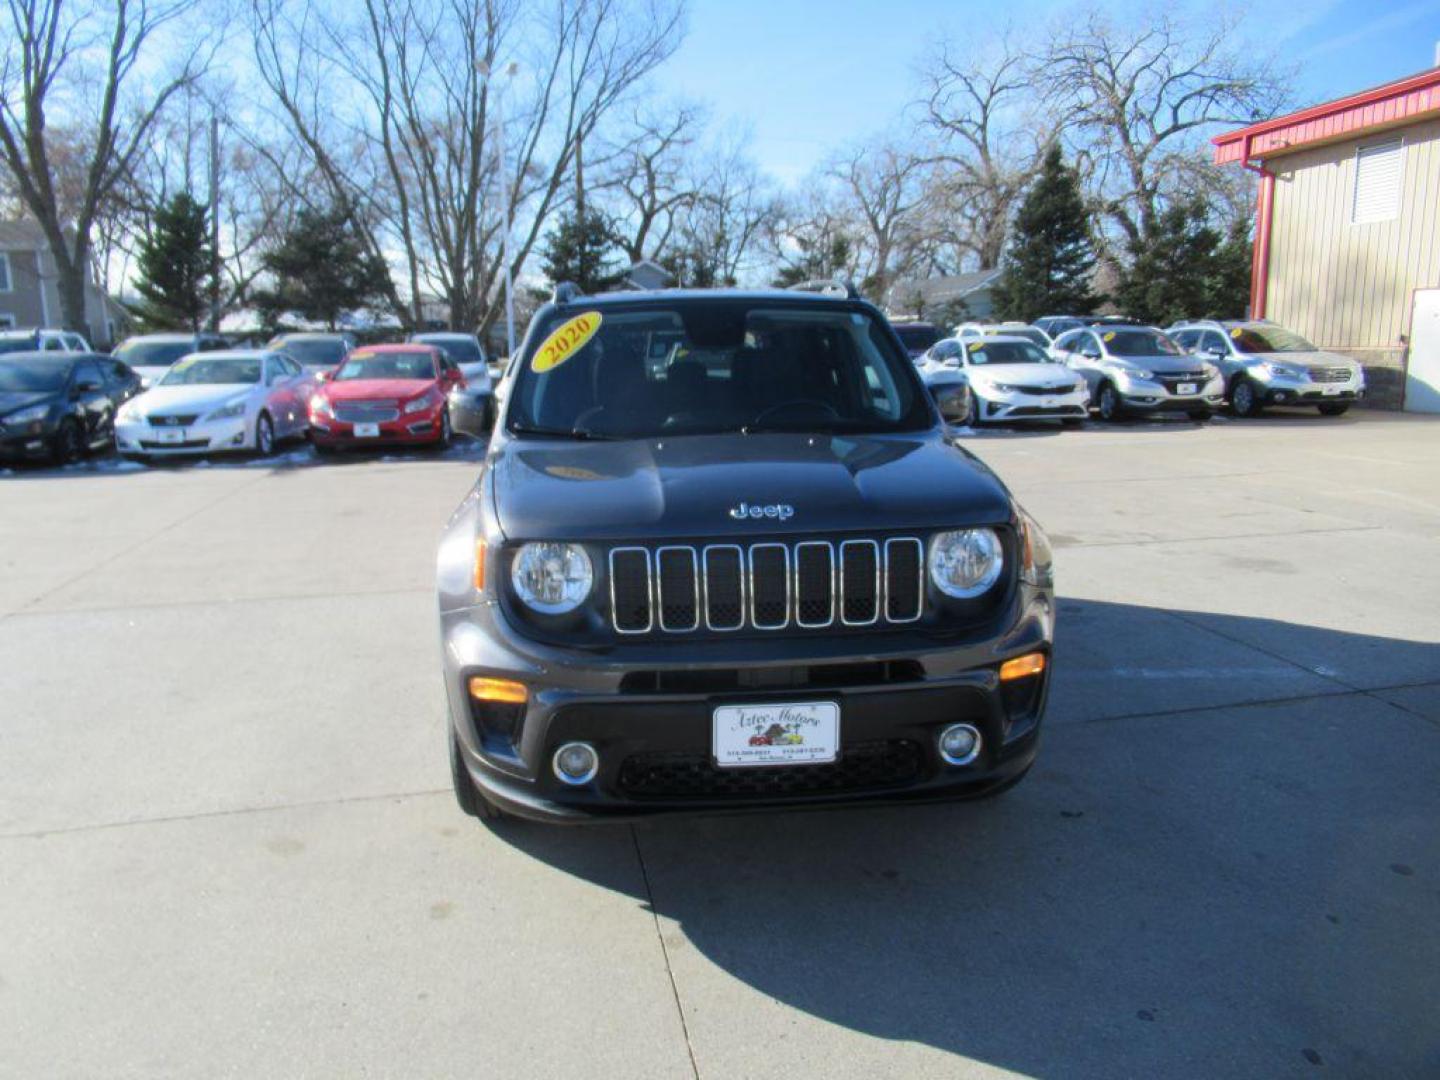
x,y
7,321
1379,170
5,285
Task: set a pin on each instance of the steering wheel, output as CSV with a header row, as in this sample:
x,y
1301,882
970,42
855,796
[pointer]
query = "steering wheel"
x,y
821,409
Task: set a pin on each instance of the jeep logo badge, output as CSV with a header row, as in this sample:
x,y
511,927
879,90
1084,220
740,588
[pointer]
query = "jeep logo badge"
x,y
781,511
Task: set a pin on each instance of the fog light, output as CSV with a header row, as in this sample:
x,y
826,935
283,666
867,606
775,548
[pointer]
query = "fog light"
x,y
576,763
503,690
959,744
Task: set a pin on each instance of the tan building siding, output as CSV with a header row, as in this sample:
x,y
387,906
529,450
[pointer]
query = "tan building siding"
x,y
1347,286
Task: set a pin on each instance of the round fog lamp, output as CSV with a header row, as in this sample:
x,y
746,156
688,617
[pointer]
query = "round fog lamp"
x,y
959,744
576,763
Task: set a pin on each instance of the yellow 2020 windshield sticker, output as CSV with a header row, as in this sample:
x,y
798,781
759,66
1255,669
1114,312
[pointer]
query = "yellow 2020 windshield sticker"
x,y
565,341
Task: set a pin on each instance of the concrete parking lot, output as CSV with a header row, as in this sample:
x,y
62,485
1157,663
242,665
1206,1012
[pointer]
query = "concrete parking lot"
x,y
228,845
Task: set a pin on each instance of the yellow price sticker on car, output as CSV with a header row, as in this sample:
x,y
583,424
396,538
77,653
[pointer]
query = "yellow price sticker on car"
x,y
565,341
1235,333
1110,336
976,346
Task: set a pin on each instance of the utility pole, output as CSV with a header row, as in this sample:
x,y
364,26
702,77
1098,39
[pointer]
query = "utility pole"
x,y
214,224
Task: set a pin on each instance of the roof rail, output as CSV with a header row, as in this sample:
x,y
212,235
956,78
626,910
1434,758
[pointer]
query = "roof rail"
x,y
565,292
827,287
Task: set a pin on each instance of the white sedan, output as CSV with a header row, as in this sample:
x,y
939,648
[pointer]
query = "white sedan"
x,y
1010,378
211,402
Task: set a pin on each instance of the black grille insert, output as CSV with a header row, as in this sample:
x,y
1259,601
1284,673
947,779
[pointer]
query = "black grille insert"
x,y
769,586
679,588
866,766
630,589
860,581
724,587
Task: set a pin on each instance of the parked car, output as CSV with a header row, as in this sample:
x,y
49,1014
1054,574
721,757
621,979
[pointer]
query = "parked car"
x,y
383,395
465,350
217,402
1139,369
1055,325
57,406
917,336
1266,364
1012,378
966,331
315,352
52,341
151,355
660,565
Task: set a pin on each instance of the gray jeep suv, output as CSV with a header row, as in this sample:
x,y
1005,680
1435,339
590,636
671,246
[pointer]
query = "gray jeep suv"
x,y
722,553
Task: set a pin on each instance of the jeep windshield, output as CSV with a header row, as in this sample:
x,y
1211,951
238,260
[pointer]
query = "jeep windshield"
x,y
708,366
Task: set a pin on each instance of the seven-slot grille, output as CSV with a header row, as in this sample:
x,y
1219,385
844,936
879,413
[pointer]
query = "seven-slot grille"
x,y
366,412
769,585
1330,375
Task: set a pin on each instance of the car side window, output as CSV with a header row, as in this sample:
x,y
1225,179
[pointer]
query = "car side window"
x,y
88,377
1065,342
1186,339
1213,342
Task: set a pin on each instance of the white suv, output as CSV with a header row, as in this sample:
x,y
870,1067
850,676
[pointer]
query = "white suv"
x,y
42,341
1265,364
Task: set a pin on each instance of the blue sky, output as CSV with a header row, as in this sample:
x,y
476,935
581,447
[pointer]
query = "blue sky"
x,y
804,76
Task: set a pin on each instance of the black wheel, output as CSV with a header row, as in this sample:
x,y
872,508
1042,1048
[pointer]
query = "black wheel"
x,y
1109,403
1245,399
1200,416
68,444
1335,409
466,794
972,411
264,435
447,436
489,419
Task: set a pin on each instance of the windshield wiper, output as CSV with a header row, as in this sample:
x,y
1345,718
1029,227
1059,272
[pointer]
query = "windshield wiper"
x,y
581,433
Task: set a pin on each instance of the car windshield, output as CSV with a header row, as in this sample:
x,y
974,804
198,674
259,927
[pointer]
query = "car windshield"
x,y
1266,339
667,368
918,338
1139,343
313,352
32,378
1029,333
153,353
363,365
213,371
1005,352
462,350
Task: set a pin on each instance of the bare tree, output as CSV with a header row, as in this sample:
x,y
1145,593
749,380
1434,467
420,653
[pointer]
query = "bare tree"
x,y
882,186
84,69
980,102
392,103
721,230
1135,99
647,177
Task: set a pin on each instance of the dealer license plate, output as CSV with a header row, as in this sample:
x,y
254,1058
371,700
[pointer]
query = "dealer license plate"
x,y
170,435
1185,388
798,733
367,431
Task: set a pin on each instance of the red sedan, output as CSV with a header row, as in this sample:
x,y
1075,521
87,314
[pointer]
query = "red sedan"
x,y
385,395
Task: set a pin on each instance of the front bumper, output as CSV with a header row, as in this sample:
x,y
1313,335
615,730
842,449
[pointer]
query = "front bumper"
x,y
1281,391
648,713
202,437
29,441
1145,396
1021,405
416,429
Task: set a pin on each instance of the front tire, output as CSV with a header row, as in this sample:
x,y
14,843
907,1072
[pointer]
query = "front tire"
x,y
972,411
264,435
1245,399
1111,409
69,443
466,794
1334,409
447,434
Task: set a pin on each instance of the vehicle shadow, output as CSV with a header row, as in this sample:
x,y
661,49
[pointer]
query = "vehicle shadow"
x,y
1232,878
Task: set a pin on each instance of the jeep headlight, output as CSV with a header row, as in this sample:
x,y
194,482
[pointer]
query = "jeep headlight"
x,y
229,410
965,562
552,578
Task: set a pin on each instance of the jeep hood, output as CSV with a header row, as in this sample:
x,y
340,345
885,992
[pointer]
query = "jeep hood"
x,y
685,487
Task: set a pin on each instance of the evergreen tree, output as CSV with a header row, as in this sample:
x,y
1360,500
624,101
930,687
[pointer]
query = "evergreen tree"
x,y
823,258
582,252
175,263
1047,266
1172,271
321,270
1229,286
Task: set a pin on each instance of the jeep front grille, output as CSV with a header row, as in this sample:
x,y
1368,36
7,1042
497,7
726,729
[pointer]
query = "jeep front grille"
x,y
766,586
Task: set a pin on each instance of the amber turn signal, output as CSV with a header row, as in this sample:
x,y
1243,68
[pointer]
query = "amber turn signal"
x,y
1022,666
501,690
480,566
